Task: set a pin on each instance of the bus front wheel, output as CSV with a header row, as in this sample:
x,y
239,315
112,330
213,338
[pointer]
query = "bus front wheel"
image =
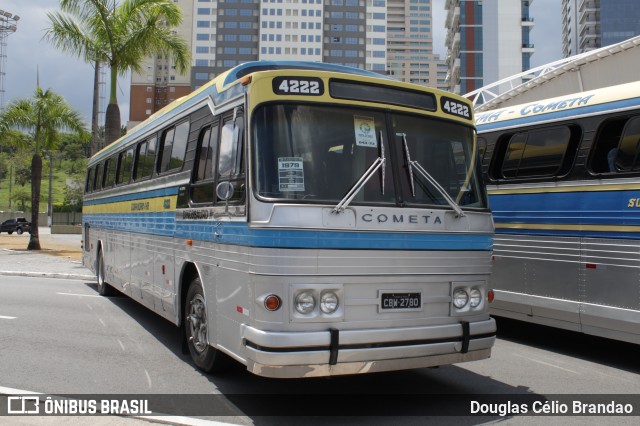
x,y
204,356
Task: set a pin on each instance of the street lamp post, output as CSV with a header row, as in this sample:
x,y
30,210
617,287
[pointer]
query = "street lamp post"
x,y
7,26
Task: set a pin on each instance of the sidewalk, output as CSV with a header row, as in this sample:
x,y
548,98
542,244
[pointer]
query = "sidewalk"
x,y
60,257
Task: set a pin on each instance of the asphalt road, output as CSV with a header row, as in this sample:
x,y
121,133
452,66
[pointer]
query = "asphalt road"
x,y
59,337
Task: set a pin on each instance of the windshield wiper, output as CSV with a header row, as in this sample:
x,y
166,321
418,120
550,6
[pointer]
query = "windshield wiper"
x,y
414,164
379,162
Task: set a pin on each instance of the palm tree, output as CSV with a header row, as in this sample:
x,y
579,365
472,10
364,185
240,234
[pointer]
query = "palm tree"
x,y
44,116
121,36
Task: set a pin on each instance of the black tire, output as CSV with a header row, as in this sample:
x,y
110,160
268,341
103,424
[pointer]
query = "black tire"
x,y
204,356
9,232
19,231
104,289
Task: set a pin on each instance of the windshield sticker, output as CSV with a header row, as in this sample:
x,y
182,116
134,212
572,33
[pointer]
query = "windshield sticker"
x,y
290,174
365,129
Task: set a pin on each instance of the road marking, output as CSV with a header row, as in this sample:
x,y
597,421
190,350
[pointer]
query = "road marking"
x,y
77,294
121,345
11,391
3,317
148,377
102,322
547,364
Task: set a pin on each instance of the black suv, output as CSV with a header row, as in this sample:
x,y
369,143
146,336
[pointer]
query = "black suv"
x,y
17,225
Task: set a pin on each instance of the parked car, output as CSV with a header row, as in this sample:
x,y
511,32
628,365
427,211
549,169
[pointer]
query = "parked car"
x,y
17,225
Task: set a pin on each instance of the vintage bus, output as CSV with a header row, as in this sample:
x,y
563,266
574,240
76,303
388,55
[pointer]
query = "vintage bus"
x,y
563,177
304,219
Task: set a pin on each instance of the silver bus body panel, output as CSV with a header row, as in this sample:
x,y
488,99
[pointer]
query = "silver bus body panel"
x,y
559,282
235,276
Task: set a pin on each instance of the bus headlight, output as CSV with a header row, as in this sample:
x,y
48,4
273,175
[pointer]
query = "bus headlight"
x,y
328,302
460,298
305,303
475,297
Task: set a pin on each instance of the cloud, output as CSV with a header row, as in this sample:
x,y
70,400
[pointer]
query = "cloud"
x,y
28,55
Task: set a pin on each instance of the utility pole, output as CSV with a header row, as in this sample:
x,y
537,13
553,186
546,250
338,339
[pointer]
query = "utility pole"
x,y
94,113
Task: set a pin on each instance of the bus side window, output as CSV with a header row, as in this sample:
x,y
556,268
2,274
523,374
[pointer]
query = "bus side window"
x,y
125,162
173,147
202,189
230,159
97,180
626,157
110,172
605,146
145,157
89,184
538,153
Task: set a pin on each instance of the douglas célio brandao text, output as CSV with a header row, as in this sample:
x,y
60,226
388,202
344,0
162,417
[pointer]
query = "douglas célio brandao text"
x,y
551,407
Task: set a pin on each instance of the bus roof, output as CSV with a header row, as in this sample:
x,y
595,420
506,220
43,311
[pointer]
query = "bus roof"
x,y
598,101
225,86
256,66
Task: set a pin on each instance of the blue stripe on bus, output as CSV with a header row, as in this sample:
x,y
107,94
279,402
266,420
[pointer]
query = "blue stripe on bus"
x,y
587,208
605,107
164,224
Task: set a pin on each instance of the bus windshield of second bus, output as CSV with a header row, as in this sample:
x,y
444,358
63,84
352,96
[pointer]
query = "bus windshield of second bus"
x,y
299,157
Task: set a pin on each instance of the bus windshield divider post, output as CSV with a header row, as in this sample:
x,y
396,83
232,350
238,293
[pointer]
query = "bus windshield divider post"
x,y
428,177
379,162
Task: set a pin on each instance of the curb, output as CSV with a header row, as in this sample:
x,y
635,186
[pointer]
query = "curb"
x,y
68,276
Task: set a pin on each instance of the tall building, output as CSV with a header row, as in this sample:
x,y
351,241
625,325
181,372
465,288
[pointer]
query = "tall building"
x,y
486,41
159,83
410,56
591,24
386,36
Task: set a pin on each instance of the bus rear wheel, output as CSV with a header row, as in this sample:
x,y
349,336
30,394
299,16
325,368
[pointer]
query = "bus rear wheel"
x,y
104,289
196,331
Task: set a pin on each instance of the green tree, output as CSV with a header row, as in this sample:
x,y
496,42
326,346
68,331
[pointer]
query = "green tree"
x,y
43,116
120,35
21,168
11,141
72,147
20,196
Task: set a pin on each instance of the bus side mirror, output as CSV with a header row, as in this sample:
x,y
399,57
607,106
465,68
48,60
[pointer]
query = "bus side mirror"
x,y
224,190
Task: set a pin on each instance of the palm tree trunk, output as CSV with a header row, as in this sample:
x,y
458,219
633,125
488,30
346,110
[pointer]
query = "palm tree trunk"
x,y
112,124
36,169
112,117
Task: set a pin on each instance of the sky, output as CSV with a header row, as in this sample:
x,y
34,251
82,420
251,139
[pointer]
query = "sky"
x,y
28,55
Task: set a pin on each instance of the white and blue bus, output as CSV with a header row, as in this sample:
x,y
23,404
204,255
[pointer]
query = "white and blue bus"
x,y
304,219
563,177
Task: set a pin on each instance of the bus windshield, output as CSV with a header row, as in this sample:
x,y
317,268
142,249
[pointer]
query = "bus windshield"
x,y
319,153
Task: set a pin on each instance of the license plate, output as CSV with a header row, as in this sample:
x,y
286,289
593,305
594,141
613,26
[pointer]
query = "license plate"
x,y
400,301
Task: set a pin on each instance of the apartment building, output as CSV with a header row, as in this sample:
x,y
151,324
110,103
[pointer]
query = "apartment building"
x,y
486,41
591,24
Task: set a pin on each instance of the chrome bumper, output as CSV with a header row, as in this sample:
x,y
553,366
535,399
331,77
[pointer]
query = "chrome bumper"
x,y
333,352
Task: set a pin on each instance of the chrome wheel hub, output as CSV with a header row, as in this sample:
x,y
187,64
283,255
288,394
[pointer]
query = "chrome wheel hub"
x,y
197,319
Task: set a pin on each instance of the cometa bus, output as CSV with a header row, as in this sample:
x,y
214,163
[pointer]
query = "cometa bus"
x,y
304,219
